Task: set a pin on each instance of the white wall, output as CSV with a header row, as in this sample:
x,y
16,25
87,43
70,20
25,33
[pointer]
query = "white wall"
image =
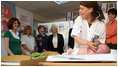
x,y
40,18
26,13
3,50
59,20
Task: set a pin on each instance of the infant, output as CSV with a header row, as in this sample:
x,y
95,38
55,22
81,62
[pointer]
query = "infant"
x,y
102,49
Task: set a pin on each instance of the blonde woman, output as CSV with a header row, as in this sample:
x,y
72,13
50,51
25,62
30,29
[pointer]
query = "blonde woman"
x,y
28,42
56,40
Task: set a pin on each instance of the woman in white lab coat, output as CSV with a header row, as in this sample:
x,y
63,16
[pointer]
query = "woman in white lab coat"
x,y
28,41
89,28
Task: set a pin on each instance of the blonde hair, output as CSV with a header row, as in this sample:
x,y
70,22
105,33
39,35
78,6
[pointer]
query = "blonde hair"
x,y
54,26
27,28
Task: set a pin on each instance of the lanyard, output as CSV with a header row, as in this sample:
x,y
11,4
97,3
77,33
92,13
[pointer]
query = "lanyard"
x,y
110,24
94,38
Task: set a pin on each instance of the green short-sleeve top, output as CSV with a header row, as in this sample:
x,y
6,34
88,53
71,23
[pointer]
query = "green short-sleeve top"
x,y
14,44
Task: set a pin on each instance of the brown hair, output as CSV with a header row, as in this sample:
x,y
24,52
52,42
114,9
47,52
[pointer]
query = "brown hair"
x,y
74,19
27,28
11,21
97,12
40,26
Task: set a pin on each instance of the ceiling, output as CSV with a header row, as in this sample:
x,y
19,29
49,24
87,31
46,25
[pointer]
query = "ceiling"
x,y
48,9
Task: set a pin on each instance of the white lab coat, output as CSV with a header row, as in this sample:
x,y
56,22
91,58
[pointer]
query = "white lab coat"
x,y
29,42
82,30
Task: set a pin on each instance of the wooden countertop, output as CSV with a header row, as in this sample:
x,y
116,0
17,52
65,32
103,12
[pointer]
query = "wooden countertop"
x,y
42,62
76,64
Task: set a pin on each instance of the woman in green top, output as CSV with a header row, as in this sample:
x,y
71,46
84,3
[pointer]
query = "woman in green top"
x,y
11,37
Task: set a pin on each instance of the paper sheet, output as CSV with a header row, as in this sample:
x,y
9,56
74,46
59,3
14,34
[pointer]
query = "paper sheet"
x,y
10,63
95,57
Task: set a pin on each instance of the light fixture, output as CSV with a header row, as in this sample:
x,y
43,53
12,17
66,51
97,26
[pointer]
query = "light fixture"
x,y
60,2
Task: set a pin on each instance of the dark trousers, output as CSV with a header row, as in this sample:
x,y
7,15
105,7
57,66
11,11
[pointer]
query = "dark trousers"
x,y
112,46
55,49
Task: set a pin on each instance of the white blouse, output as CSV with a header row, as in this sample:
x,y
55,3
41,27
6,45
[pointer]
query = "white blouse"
x,y
82,30
29,42
55,41
15,35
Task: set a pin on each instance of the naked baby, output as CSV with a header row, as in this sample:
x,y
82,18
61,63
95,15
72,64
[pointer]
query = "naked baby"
x,y
101,49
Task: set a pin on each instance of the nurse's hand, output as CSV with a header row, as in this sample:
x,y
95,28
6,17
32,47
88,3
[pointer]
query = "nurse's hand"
x,y
91,46
96,42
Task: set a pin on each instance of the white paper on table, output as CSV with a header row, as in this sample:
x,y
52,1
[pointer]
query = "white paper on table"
x,y
95,57
10,63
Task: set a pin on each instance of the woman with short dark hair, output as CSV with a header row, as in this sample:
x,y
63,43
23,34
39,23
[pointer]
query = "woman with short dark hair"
x,y
42,39
111,29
